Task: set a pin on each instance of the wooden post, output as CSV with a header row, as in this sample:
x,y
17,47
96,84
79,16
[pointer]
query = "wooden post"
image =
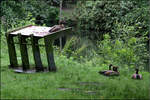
x,y
149,45
60,15
149,51
49,52
49,48
24,52
11,51
36,54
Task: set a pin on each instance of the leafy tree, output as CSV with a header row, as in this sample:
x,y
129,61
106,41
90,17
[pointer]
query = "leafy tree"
x,y
97,18
16,10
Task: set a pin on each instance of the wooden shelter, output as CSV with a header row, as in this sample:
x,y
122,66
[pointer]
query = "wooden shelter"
x,y
34,33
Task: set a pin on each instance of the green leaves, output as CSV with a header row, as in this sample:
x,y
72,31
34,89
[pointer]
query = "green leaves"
x,y
96,18
131,51
36,10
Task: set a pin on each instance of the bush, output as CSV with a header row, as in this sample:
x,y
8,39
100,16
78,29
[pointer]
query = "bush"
x,y
15,11
129,52
43,12
76,47
97,18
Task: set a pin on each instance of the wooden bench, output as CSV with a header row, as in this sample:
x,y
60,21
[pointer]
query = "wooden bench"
x,y
34,33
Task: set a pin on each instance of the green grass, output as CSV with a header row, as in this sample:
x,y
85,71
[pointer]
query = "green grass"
x,y
70,74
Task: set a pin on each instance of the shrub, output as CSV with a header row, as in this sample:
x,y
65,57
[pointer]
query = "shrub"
x,y
97,18
130,52
15,11
79,48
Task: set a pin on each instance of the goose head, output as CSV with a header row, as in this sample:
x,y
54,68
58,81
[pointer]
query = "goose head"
x,y
137,70
115,68
110,66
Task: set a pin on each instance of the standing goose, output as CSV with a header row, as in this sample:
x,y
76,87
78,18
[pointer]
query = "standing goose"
x,y
102,72
112,73
136,75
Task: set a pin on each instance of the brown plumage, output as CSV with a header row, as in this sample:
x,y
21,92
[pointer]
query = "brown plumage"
x,y
56,28
136,75
102,72
113,72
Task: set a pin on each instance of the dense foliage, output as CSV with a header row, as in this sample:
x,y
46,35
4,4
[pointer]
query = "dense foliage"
x,y
97,18
104,32
14,11
126,23
126,29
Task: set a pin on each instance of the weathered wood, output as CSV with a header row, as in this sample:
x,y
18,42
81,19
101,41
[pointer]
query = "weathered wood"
x,y
49,48
17,29
63,32
60,42
36,54
49,52
149,47
60,15
38,32
24,52
11,51
31,44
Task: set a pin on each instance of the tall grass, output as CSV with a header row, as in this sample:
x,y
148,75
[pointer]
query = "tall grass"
x,y
72,80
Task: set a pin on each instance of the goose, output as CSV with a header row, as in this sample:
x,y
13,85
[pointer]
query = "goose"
x,y
113,72
136,75
102,72
56,28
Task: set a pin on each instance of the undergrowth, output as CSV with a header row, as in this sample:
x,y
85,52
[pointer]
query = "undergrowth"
x,y
81,79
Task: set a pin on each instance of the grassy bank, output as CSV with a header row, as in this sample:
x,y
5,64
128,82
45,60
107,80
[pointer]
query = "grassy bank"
x,y
72,80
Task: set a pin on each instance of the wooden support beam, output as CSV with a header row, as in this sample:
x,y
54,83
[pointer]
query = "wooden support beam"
x,y
63,32
11,51
31,44
17,29
49,46
24,52
48,39
36,54
149,46
60,15
49,52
